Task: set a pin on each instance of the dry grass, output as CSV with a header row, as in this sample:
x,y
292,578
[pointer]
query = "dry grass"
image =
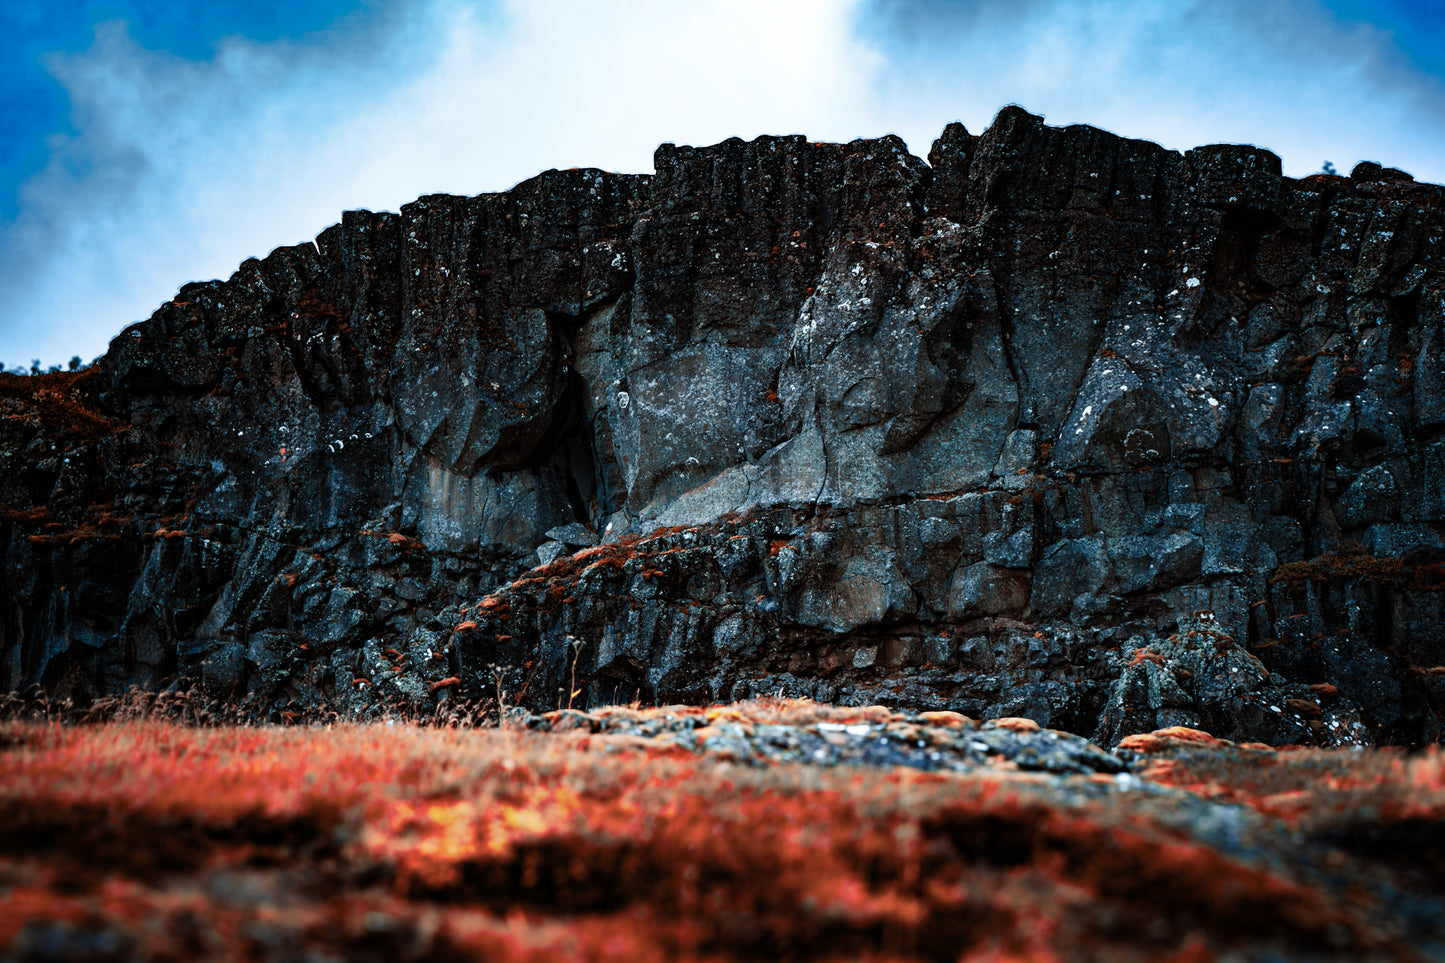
x,y
177,842
1322,792
60,403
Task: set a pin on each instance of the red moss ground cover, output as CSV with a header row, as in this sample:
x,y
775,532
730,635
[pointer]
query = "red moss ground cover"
x,y
59,402
152,840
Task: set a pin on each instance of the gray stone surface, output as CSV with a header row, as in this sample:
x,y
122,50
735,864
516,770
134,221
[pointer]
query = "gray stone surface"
x,y
783,416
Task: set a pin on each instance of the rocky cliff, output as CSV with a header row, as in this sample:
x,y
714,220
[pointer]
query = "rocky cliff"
x,y
1055,425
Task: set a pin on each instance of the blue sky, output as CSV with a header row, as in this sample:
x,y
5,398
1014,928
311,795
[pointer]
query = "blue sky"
x,y
149,143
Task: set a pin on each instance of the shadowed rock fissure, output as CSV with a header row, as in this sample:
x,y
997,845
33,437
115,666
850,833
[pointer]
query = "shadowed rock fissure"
x,y
1057,425
569,443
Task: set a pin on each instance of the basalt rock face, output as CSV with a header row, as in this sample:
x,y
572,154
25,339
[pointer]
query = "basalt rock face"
x,y
1055,425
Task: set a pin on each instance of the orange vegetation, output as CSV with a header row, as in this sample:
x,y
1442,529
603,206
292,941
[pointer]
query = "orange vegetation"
x,y
1371,568
415,843
1325,792
1139,656
60,403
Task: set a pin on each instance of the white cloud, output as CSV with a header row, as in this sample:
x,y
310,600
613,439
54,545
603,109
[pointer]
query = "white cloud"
x,y
1283,74
181,169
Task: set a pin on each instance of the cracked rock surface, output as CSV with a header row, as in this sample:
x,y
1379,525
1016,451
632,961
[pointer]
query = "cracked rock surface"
x,y
783,417
872,737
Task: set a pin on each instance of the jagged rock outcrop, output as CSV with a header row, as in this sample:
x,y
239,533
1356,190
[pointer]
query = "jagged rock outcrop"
x,y
1056,425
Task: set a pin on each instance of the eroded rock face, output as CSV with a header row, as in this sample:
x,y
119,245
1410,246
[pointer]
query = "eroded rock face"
x,y
816,419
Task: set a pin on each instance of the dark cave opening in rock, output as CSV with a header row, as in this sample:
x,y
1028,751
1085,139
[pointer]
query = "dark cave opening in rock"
x,y
567,447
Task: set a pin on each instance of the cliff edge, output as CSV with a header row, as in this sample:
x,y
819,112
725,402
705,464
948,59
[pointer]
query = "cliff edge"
x,y
1056,425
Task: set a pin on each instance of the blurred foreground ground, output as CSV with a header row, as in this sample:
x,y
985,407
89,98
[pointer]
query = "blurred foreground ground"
x,y
764,830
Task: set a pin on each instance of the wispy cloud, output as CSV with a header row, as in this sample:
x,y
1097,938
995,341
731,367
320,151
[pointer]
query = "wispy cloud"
x,y
1283,74
181,169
